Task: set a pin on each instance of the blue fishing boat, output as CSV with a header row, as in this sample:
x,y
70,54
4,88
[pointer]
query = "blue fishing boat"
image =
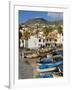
x,y
46,76
49,67
58,58
60,52
57,52
45,60
43,66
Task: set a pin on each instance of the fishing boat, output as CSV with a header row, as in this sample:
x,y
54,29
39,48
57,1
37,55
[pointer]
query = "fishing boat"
x,y
57,52
43,75
57,58
46,69
49,66
31,56
46,60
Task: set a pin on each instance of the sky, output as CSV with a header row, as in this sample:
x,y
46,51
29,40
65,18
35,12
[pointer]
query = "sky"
x,y
50,16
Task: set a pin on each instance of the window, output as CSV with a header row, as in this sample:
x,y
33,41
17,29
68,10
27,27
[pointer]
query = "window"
x,y
56,40
22,41
43,40
50,39
39,40
47,39
40,45
46,44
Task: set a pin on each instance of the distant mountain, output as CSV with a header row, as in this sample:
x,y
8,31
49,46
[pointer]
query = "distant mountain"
x,y
36,21
42,21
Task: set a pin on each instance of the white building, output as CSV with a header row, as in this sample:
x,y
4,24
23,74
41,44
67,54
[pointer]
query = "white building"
x,y
59,39
33,42
36,42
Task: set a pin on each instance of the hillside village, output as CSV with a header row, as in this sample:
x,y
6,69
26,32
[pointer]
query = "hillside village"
x,y
40,34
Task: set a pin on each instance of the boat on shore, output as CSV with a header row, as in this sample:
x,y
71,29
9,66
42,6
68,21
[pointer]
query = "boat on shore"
x,y
57,52
49,66
45,60
31,56
46,70
46,75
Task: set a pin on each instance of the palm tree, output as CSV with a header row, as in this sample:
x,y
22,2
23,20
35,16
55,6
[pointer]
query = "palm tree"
x,y
26,36
50,28
20,26
37,31
20,36
60,30
45,31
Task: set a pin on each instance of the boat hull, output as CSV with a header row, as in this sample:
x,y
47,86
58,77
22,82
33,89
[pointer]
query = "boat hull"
x,y
47,69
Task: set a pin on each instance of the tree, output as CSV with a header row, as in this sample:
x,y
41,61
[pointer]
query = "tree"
x,y
20,35
45,32
37,31
26,36
50,28
20,26
60,30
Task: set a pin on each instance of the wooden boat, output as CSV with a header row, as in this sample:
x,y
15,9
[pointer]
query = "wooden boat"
x,y
45,70
31,56
57,56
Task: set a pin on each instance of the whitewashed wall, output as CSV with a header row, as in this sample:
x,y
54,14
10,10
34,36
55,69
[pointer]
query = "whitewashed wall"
x,y
33,42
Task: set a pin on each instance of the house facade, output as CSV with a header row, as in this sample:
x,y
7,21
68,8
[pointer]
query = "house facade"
x,y
39,41
59,39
